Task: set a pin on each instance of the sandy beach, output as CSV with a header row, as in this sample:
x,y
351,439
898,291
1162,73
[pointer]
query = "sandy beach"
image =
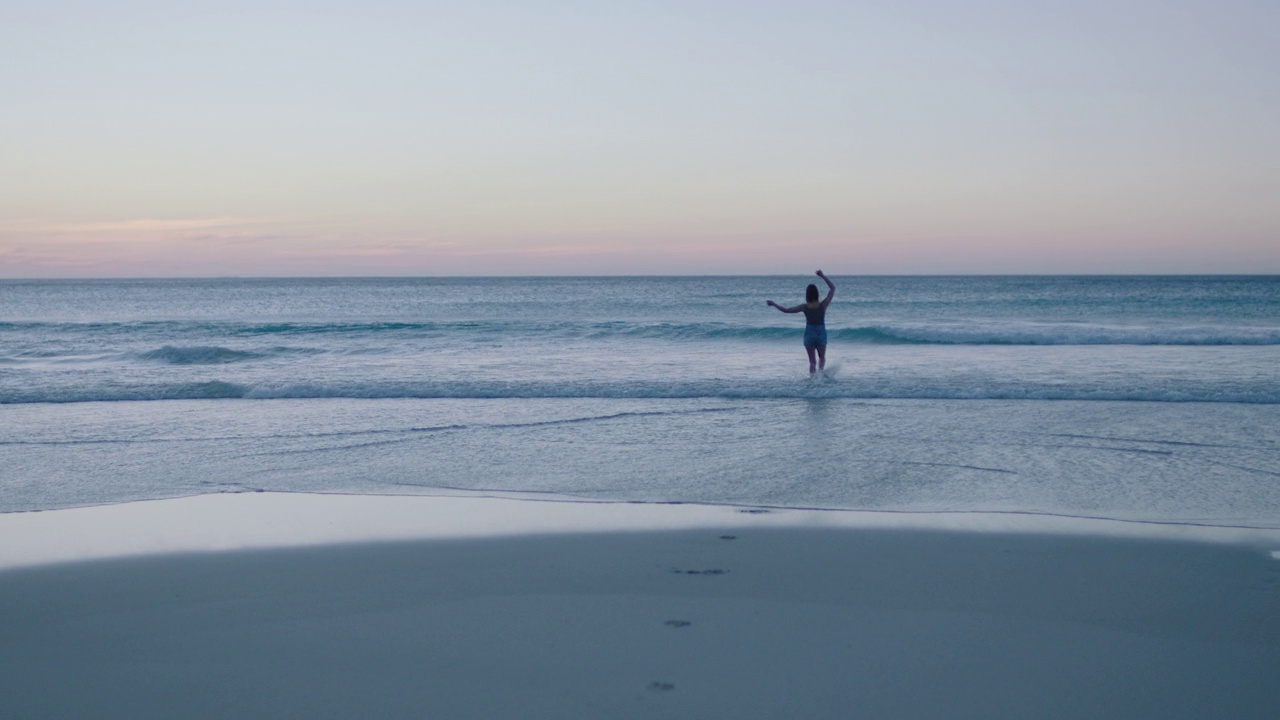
x,y
599,361
277,605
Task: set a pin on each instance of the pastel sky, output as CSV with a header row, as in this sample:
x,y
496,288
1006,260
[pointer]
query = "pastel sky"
x,y
498,137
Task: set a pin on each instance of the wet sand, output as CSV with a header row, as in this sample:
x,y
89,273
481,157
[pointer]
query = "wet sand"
x,y
269,607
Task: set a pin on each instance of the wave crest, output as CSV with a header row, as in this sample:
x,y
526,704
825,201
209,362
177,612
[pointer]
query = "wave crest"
x,y
940,332
770,389
198,355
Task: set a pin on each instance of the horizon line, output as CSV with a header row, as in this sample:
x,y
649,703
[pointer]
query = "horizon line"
x,y
70,278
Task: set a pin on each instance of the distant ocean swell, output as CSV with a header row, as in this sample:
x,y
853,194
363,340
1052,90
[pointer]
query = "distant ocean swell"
x,y
175,338
493,389
213,355
165,355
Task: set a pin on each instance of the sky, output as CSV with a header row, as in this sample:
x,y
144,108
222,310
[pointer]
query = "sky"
x,y
162,139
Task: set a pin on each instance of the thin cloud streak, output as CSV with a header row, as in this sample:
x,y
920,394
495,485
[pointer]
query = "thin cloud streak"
x,y
244,246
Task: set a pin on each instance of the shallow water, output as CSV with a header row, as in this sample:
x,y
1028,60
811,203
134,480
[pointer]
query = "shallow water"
x,y
1135,398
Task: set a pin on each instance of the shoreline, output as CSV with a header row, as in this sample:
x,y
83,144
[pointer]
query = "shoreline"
x,y
572,610
231,521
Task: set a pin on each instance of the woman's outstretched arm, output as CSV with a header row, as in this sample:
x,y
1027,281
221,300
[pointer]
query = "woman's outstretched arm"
x,y
831,292
795,309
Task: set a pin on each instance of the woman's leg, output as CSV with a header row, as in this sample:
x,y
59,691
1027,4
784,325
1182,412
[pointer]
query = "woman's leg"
x,y
809,350
822,358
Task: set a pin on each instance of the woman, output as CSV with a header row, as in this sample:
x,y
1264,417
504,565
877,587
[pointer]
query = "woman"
x,y
815,316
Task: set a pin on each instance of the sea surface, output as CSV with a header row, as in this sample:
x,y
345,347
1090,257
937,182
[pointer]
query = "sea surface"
x,y
1138,398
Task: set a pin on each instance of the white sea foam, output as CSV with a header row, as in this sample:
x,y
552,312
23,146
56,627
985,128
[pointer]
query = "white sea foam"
x,y
1214,464
844,386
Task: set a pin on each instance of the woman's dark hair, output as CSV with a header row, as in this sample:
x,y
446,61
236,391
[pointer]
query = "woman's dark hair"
x,y
811,293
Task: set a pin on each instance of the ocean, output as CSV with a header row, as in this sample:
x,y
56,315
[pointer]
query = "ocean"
x,y
1153,399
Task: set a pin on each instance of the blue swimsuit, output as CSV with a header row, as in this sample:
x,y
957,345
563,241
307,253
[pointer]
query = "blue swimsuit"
x,y
815,329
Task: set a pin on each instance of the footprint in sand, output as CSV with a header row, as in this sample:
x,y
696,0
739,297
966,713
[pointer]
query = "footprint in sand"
x,y
659,685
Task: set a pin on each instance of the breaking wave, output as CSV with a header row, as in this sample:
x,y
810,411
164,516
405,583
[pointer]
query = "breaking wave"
x,y
961,332
771,389
199,355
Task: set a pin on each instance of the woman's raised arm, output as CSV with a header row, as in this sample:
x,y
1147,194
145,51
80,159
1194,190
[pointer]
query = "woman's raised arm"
x,y
795,309
831,292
